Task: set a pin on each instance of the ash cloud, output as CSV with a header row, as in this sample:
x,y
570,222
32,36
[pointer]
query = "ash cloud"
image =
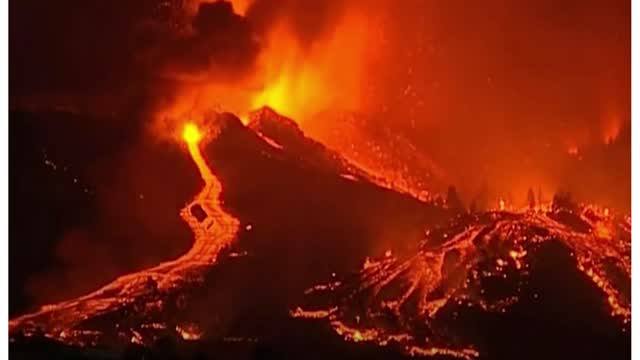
x,y
121,58
219,40
114,62
103,57
108,63
308,20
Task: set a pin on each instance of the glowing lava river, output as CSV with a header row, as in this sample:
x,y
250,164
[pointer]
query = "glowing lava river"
x,y
143,295
479,261
457,272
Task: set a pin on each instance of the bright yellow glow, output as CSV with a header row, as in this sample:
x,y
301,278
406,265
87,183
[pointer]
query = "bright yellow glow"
x,y
299,81
191,134
357,336
240,7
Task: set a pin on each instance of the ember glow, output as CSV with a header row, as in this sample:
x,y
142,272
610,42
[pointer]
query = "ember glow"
x,y
147,289
454,267
292,77
298,80
191,134
612,129
437,164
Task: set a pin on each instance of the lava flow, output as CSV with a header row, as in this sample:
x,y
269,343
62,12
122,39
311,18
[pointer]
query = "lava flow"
x,y
149,293
480,261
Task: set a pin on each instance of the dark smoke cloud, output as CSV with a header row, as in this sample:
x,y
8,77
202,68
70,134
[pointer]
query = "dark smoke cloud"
x,y
308,20
115,62
219,41
119,56
105,57
491,90
112,61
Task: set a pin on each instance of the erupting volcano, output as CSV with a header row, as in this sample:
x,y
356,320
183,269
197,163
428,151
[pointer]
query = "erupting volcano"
x,y
479,262
288,179
142,299
417,297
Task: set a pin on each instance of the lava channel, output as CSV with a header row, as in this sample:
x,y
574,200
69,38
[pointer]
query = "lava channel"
x,y
144,292
405,301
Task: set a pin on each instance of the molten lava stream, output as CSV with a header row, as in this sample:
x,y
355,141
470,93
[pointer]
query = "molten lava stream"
x,y
450,271
149,287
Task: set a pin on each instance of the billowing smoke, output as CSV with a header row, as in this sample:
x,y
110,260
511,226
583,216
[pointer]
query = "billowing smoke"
x,y
121,64
120,58
124,58
502,95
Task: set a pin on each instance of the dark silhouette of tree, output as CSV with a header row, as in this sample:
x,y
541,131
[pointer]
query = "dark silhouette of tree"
x,y
562,201
531,199
473,207
539,196
481,199
453,199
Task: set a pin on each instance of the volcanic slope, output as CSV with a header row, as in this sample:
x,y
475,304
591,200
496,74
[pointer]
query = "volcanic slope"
x,y
534,278
275,205
316,237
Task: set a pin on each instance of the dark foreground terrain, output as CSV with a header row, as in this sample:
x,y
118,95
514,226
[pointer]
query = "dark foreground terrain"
x,y
306,216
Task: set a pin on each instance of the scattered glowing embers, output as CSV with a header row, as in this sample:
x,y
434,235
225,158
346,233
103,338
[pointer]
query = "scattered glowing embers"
x,y
399,301
447,270
191,134
573,150
137,299
189,331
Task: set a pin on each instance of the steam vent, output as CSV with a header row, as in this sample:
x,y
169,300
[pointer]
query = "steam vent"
x,y
280,179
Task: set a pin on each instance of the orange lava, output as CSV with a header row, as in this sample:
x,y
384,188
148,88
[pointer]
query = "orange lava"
x,y
573,150
611,129
296,78
191,134
299,80
449,271
145,290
